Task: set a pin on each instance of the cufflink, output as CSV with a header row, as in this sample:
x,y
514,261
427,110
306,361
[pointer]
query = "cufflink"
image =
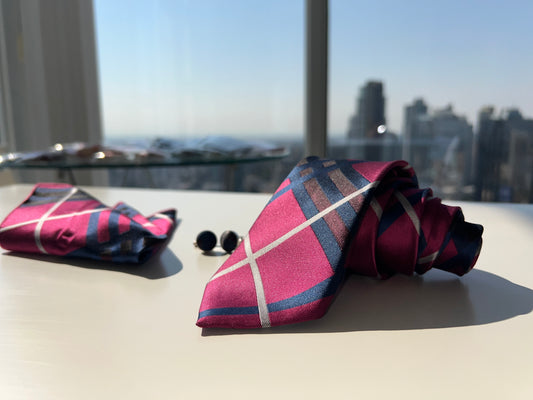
x,y
207,240
229,241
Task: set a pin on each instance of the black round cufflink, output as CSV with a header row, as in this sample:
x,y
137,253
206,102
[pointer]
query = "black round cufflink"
x,y
229,241
207,240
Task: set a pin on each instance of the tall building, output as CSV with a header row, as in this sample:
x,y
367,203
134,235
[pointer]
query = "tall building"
x,y
412,115
504,157
520,164
455,136
491,154
367,131
439,145
370,113
417,136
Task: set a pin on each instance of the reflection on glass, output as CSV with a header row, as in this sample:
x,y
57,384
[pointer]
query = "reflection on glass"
x,y
451,86
185,70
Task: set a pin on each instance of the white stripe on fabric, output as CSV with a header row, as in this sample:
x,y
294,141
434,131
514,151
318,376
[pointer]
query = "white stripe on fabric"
x,y
295,230
44,217
259,290
409,210
377,208
427,259
163,216
7,228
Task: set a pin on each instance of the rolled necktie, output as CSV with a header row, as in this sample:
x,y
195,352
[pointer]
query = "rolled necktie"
x,y
63,220
327,218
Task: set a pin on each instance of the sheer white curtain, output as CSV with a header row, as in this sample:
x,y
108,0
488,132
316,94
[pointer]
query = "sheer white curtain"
x,y
49,77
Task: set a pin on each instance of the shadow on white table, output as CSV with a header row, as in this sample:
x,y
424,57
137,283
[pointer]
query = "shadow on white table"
x,y
436,300
161,265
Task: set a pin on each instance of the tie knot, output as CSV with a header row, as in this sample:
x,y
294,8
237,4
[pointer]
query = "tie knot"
x,y
407,230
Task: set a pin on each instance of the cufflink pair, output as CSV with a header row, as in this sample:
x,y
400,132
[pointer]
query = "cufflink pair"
x,y
207,240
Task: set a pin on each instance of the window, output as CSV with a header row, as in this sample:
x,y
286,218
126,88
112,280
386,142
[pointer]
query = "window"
x,y
444,85
4,92
181,69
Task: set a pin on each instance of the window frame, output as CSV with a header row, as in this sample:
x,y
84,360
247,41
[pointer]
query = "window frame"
x,y
6,120
317,59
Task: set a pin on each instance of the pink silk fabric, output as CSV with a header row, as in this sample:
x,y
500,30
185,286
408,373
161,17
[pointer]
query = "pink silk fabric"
x,y
328,218
63,220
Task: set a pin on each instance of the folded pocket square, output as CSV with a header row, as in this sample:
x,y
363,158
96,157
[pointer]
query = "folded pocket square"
x,y
63,220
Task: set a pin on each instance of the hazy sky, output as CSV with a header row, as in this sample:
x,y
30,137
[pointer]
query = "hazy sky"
x,y
183,68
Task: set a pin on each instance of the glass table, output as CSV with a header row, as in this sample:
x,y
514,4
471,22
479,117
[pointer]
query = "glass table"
x,y
211,151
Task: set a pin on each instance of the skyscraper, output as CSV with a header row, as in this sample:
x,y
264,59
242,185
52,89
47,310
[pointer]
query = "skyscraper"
x,y
367,129
492,151
453,149
438,144
504,157
370,112
413,132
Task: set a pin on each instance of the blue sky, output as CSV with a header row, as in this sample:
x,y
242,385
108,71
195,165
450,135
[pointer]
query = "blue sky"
x,y
185,68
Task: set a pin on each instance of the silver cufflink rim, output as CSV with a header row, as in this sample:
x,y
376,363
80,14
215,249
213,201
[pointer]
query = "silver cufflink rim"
x,y
206,241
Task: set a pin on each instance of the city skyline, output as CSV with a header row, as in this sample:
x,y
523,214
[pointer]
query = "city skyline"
x,y
196,68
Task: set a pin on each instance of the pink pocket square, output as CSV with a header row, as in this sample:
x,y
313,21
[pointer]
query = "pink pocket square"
x,y
63,220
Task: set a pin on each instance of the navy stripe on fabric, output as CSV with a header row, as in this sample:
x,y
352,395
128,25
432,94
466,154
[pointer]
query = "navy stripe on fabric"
x,y
333,194
329,188
295,182
137,240
45,190
465,246
92,231
328,242
422,243
351,173
85,252
36,200
346,211
127,210
113,224
296,179
320,228
326,288
446,239
141,242
347,214
391,214
306,204
229,311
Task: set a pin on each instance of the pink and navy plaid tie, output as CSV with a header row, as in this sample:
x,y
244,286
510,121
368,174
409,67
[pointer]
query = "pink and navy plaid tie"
x,y
63,220
329,217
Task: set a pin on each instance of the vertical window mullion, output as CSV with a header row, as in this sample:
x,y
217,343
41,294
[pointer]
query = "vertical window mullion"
x,y
316,77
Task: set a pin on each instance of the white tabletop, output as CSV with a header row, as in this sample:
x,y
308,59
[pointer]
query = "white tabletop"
x,y
81,330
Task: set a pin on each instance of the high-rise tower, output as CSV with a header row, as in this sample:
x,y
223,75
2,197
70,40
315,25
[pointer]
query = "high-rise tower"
x,y
370,112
